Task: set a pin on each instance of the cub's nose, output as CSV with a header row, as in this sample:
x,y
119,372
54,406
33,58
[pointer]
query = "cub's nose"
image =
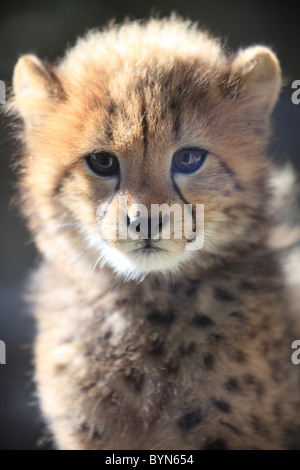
x,y
146,228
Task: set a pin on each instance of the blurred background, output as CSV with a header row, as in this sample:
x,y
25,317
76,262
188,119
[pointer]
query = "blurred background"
x,y
46,28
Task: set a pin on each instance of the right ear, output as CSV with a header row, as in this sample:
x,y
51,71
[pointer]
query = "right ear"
x,y
34,85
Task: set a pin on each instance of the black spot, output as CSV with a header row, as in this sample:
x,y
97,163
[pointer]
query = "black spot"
x,y
208,360
194,282
112,107
221,294
246,285
233,385
237,314
202,320
186,350
190,420
238,186
222,405
191,291
173,104
162,318
107,334
240,356
215,338
260,389
216,444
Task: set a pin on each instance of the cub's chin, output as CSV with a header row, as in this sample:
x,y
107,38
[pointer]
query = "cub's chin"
x,y
145,258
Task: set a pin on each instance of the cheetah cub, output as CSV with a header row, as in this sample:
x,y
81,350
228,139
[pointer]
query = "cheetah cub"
x,y
145,343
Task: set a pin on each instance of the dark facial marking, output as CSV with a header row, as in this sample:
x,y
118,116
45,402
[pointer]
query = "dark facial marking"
x,y
176,127
222,405
177,189
216,444
110,111
208,360
221,294
190,420
229,172
191,291
215,338
145,127
240,356
68,172
232,385
163,318
202,320
108,334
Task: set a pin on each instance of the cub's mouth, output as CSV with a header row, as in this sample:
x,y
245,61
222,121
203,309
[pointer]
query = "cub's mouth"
x,y
148,248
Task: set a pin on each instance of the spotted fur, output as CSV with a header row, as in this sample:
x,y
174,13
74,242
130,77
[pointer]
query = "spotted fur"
x,y
193,350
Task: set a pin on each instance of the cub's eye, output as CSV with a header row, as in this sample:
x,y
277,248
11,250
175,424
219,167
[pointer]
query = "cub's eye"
x,y
103,163
188,160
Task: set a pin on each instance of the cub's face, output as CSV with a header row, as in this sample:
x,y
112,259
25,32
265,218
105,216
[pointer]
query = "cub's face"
x,y
109,138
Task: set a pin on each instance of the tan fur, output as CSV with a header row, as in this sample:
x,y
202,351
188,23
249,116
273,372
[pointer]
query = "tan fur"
x,y
197,354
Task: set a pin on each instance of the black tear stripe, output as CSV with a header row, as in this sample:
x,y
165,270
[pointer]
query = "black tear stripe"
x,y
66,175
144,126
229,172
111,199
178,191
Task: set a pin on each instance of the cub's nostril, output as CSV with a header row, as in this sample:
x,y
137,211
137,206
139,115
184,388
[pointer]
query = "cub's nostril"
x,y
147,228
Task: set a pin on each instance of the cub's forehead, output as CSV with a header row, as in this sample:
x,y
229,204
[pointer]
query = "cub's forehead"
x,y
137,83
165,55
132,109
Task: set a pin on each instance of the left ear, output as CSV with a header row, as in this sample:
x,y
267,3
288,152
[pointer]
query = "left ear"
x,y
258,74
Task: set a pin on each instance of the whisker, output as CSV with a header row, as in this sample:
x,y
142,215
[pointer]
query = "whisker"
x,y
97,262
76,224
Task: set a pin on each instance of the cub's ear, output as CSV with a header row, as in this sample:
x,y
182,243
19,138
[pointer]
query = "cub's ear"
x,y
257,72
34,85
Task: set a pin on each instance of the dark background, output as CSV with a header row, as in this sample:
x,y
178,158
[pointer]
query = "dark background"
x,y
46,28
